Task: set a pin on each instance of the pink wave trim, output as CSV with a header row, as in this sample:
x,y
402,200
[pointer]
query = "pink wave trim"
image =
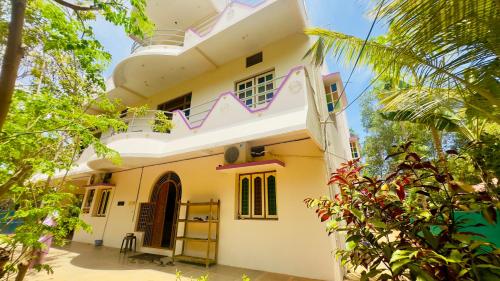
x,y
233,95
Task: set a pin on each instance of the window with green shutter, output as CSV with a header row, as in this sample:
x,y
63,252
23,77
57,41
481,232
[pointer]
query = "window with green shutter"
x,y
257,196
271,195
245,196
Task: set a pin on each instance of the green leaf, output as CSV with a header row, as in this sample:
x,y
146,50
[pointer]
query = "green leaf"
x,y
401,254
399,266
351,245
353,238
490,214
429,238
378,223
358,214
421,274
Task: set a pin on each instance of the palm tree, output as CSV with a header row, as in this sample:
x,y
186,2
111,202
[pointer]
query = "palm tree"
x,y
449,47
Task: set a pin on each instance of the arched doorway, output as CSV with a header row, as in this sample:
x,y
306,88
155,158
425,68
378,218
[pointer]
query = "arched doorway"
x,y
166,200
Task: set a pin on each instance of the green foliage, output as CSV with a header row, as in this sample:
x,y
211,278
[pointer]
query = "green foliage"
x,y
162,123
433,46
58,109
406,225
383,135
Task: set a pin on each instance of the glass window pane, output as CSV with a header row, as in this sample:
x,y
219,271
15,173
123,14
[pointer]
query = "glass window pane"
x,y
333,87
248,84
271,196
245,197
330,107
248,102
261,89
269,86
106,199
269,77
328,98
241,87
249,93
269,95
257,196
260,80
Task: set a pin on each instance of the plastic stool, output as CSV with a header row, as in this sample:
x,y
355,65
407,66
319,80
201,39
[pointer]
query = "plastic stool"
x,y
129,240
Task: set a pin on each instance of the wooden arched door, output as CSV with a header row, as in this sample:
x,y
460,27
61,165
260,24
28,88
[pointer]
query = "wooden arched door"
x,y
166,199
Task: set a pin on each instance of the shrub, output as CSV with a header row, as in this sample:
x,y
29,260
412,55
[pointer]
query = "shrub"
x,y
407,226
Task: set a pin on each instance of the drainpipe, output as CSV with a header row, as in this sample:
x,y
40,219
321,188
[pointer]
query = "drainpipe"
x,y
137,196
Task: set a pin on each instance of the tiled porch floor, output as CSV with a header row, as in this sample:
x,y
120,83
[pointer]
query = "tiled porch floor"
x,y
84,262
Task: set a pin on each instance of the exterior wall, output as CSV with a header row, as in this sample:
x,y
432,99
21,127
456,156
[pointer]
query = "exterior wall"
x,y
294,244
280,56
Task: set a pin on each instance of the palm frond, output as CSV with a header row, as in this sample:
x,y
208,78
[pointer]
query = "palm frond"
x,y
435,43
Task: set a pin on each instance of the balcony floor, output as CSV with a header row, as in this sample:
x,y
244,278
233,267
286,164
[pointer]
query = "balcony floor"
x,y
79,261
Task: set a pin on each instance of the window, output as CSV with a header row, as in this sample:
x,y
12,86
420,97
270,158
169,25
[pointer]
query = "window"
x,y
331,97
354,150
103,202
88,201
257,196
254,59
182,103
256,91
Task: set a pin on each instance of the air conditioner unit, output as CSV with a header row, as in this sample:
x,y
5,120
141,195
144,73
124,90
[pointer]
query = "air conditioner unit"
x,y
236,153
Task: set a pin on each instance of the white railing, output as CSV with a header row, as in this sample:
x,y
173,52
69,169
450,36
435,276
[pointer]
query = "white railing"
x,y
206,25
169,37
254,97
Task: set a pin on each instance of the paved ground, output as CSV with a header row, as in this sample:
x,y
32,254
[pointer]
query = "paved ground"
x,y
83,262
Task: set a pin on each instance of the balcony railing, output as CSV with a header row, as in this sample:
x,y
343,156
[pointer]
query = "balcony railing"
x,y
169,37
206,25
253,98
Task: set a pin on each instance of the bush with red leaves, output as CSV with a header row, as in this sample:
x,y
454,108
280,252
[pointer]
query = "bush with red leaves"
x,y
407,226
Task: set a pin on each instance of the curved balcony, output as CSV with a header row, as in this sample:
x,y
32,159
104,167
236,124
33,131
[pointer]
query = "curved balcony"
x,y
255,98
277,107
178,53
165,37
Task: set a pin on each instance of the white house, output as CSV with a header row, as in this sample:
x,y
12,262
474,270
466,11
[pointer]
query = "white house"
x,y
254,132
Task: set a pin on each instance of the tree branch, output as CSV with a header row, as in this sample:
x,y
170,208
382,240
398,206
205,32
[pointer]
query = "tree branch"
x,y
12,57
76,7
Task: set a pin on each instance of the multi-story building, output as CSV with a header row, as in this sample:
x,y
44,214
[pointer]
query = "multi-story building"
x,y
256,129
355,146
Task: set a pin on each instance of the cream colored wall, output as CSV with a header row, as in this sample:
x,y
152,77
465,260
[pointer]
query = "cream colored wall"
x,y
281,56
295,244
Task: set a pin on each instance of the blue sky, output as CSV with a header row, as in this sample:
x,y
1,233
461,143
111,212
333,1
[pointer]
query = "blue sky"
x,y
347,16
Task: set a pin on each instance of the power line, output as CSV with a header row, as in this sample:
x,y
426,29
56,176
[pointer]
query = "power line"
x,y
364,90
359,56
349,79
396,55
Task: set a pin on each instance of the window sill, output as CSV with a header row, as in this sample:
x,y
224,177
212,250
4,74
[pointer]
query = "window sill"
x,y
257,219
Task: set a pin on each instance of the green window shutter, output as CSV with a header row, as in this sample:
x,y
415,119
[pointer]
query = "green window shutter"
x,y
245,197
271,196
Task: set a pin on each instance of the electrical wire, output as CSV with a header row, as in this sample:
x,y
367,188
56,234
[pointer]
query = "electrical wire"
x,y
359,56
377,77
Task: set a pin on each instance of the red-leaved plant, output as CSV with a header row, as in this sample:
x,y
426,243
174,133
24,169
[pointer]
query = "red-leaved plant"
x,y
411,225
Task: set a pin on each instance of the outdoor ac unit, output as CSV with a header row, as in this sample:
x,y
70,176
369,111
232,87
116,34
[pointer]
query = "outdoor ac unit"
x,y
236,153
